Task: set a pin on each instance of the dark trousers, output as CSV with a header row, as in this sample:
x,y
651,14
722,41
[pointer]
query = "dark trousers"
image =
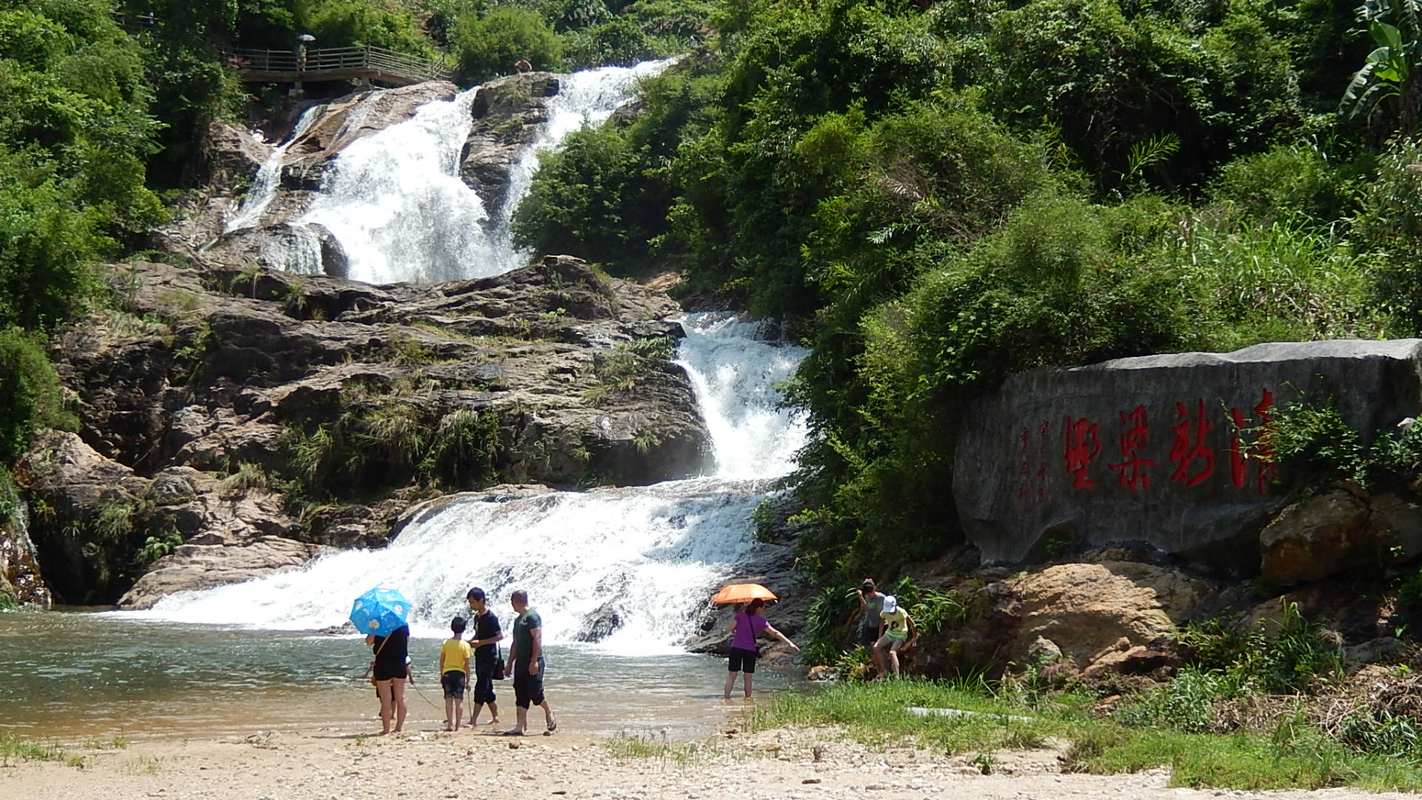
x,y
528,689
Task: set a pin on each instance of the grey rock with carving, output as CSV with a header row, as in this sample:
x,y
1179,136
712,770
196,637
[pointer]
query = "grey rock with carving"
x,y
1145,450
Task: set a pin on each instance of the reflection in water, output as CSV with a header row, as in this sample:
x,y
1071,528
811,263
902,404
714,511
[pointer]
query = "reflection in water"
x,y
74,675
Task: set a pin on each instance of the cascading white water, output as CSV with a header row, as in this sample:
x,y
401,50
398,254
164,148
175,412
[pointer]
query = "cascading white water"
x,y
395,200
641,560
396,203
584,98
264,185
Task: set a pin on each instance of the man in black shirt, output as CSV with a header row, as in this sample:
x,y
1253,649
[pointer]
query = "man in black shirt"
x,y
485,641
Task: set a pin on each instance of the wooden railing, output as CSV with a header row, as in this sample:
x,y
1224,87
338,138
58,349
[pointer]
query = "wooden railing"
x,y
331,63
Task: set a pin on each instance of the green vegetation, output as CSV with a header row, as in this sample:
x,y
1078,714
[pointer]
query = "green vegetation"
x,y
651,748
940,195
14,749
1292,754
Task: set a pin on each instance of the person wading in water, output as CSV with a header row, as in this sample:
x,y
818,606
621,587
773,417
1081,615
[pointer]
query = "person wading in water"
x,y
487,635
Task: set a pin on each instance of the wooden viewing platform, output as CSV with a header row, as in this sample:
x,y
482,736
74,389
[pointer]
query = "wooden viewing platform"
x,y
373,64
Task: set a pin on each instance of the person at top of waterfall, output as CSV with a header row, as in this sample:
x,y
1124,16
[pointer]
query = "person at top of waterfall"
x,y
748,627
454,674
899,635
521,66
391,668
526,653
871,625
486,637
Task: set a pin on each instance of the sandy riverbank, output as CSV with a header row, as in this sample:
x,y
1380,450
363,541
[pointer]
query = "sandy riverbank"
x,y
333,765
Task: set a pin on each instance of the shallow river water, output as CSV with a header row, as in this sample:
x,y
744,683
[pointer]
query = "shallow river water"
x,y
72,675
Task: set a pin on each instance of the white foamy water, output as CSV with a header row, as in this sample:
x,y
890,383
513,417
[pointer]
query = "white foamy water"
x,y
264,185
584,98
397,205
644,558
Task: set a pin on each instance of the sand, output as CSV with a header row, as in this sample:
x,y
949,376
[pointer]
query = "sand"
x,y
332,764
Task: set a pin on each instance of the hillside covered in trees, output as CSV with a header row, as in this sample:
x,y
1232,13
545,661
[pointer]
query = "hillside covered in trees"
x,y
938,194
103,107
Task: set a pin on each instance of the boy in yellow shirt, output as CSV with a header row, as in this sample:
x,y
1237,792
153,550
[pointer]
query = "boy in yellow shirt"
x,y
454,674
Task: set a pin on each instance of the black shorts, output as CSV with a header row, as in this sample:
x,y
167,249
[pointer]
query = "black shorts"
x,y
389,672
742,660
484,682
453,682
528,689
868,636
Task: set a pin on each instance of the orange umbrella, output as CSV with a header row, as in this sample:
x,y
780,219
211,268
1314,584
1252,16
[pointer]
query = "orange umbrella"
x,y
743,593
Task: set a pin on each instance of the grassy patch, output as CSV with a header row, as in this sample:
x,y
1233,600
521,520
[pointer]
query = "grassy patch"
x,y
1294,755
15,749
652,748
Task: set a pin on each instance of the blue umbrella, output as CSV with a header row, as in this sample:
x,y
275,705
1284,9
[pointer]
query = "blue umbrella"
x,y
380,611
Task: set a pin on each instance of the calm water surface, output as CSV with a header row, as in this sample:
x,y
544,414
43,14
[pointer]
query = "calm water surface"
x,y
72,675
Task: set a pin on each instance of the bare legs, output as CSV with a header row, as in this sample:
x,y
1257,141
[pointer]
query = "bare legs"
x,y
731,683
397,696
886,650
493,714
386,691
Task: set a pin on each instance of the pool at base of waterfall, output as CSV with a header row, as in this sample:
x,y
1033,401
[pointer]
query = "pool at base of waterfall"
x,y
70,676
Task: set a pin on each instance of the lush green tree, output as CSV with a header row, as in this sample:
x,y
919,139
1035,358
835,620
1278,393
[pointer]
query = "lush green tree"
x,y
490,45
30,395
1393,70
620,42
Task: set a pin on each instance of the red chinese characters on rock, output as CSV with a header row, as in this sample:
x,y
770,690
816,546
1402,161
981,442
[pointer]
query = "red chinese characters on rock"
x,y
1080,445
1191,454
1034,447
1263,450
1133,471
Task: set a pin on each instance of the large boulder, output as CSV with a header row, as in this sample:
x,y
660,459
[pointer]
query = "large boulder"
x,y
1318,537
508,113
194,567
1154,450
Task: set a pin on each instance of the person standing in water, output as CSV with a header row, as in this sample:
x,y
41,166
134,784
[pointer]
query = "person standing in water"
x,y
526,655
391,669
487,635
748,627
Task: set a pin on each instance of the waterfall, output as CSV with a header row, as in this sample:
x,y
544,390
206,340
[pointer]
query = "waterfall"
x,y
638,560
264,185
395,202
584,98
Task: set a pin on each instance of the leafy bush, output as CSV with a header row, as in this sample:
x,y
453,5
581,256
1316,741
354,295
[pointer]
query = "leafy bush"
x,y
618,42
1390,222
156,547
342,23
30,394
1292,184
489,46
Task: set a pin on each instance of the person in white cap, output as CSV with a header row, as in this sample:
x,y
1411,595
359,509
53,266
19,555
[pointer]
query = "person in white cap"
x,y
898,634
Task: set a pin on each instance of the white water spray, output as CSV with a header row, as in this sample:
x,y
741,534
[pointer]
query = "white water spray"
x,y
641,561
264,185
396,203
586,98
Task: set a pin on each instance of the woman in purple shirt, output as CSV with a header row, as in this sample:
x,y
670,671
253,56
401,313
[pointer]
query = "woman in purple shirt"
x,y
749,626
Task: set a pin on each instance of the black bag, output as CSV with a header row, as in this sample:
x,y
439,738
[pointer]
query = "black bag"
x,y
499,663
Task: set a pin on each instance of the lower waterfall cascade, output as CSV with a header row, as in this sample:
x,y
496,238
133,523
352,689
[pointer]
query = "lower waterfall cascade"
x,y
632,567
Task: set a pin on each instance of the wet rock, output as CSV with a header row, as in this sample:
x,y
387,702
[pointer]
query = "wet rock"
x,y
346,120
600,624
21,582
294,248
1142,449
215,365
507,114
204,566
1318,537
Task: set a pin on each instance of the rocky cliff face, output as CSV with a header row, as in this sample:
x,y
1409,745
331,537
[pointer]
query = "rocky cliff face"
x,y
234,419
20,580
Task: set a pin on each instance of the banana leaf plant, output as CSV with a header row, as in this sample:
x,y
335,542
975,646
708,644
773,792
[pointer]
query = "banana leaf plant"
x,y
1391,69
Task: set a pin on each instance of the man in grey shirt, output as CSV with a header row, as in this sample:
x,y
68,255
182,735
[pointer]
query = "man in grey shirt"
x,y
871,602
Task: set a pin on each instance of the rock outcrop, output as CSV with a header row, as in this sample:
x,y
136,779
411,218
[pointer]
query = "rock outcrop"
x,y
238,416
507,114
1156,450
20,580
